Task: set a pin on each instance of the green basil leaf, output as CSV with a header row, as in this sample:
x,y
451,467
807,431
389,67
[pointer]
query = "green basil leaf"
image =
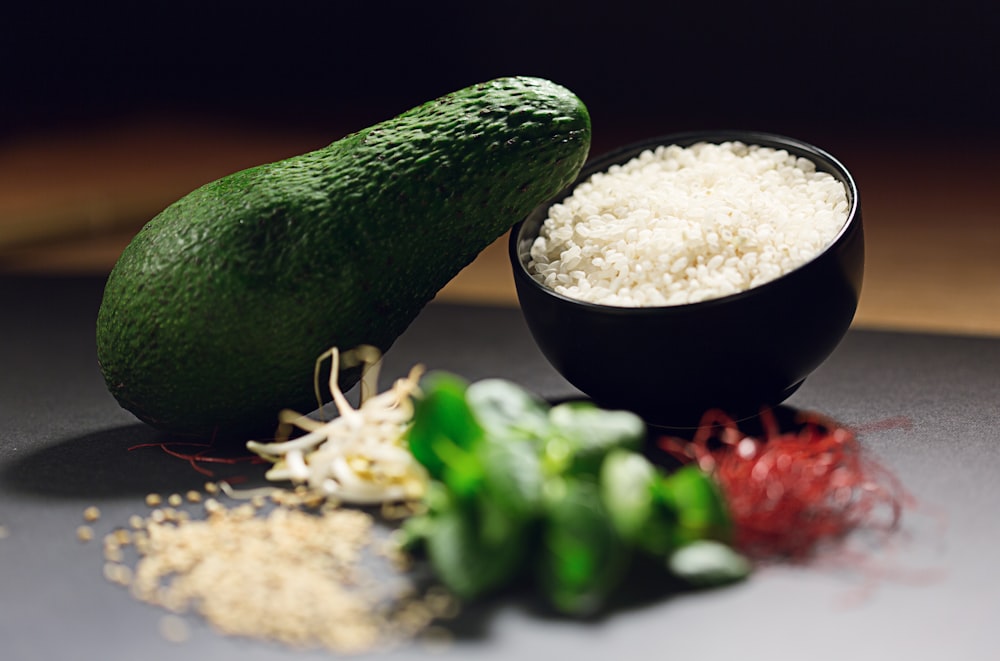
x,y
592,432
627,483
582,559
627,491
707,563
698,505
442,422
474,552
513,475
505,410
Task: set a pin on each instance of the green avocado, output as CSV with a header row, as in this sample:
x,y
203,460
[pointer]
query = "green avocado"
x,y
214,315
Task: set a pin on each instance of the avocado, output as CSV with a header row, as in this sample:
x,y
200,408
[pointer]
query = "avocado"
x,y
214,315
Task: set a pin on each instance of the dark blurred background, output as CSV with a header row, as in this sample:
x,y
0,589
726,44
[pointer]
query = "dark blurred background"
x,y
845,66
110,111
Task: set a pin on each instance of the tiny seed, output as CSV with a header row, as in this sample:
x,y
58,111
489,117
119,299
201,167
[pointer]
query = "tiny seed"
x,y
244,511
117,573
174,629
84,533
211,488
194,496
153,500
4,532
174,500
91,514
136,522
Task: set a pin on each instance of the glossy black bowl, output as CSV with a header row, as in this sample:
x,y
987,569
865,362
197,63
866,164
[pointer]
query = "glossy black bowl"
x,y
737,353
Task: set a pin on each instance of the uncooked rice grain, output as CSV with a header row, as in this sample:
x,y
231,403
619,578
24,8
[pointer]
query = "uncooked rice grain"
x,y
680,225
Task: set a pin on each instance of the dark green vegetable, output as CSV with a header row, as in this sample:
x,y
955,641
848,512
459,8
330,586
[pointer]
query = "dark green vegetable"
x,y
214,314
560,494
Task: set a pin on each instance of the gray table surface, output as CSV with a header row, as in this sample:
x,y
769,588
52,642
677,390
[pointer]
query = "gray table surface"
x,y
933,592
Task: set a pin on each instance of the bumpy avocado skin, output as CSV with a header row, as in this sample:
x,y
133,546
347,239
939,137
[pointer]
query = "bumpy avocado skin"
x,y
214,315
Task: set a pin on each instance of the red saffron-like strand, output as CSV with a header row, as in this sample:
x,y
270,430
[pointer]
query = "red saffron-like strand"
x,y
791,491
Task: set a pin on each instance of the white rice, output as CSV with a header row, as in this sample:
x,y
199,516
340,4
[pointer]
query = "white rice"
x,y
679,225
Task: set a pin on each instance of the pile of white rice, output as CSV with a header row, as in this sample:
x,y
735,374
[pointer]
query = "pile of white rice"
x,y
679,225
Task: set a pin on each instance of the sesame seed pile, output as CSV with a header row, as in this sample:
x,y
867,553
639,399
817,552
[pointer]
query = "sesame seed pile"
x,y
285,567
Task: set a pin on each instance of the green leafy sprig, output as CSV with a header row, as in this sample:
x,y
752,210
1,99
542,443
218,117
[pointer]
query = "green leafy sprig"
x,y
559,495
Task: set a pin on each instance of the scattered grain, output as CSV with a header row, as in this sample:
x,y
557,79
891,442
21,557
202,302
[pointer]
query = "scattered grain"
x,y
174,629
84,533
154,500
193,496
278,572
174,500
4,533
115,572
91,514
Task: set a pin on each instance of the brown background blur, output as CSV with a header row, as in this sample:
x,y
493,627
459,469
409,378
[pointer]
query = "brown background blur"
x,y
110,111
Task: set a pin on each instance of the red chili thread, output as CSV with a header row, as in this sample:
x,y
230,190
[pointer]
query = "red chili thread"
x,y
202,456
791,491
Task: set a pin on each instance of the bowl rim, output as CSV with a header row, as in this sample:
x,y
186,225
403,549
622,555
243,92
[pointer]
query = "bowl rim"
x,y
823,160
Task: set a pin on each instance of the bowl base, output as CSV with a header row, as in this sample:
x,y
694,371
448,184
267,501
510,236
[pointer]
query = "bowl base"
x,y
685,421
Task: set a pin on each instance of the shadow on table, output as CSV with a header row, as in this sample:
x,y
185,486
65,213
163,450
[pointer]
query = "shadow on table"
x,y
647,586
126,461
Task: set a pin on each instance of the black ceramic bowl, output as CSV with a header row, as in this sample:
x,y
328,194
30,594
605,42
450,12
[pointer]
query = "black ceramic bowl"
x,y
738,353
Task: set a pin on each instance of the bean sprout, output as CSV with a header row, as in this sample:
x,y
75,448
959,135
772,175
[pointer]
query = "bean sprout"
x,y
360,456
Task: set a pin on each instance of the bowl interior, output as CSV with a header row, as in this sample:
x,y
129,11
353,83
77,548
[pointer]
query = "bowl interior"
x,y
527,231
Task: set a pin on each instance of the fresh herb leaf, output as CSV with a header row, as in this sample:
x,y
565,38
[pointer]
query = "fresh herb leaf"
x,y
592,433
699,505
707,563
443,425
505,410
474,548
582,559
513,475
627,484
